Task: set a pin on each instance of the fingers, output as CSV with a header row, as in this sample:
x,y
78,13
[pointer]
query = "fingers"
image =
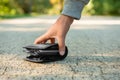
x,y
41,39
43,42
61,43
52,40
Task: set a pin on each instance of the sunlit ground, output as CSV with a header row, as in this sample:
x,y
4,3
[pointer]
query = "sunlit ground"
x,y
93,42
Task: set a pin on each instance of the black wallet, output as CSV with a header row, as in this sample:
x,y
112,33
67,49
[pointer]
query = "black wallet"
x,y
47,52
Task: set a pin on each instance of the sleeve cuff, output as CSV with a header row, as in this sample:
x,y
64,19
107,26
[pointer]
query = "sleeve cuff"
x,y
73,8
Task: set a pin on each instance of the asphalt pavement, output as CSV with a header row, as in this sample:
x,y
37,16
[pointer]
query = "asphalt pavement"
x,y
93,42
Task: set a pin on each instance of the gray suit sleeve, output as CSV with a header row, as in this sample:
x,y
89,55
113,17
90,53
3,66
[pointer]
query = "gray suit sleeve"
x,y
73,8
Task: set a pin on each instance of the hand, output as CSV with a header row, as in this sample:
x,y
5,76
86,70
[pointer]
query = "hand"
x,y
57,31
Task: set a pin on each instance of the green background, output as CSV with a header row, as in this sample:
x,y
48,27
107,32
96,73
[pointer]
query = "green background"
x,y
16,8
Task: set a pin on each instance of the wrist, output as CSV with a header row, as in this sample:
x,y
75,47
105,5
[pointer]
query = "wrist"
x,y
65,20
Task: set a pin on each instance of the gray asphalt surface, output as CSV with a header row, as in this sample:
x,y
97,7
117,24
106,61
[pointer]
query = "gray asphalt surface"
x,y
93,42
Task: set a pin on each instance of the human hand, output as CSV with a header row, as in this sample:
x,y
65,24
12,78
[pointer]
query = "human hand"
x,y
57,31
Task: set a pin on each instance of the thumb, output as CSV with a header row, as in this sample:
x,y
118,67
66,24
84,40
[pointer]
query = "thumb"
x,y
61,43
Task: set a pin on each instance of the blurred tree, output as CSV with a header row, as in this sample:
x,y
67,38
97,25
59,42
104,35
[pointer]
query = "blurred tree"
x,y
57,6
26,5
9,8
18,7
103,7
41,6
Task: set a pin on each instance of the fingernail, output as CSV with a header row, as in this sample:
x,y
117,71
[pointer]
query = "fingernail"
x,y
62,53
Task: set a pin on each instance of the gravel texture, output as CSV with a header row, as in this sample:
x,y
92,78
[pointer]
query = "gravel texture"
x,y
93,42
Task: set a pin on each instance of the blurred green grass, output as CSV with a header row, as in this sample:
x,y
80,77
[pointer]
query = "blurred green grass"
x,y
15,16
24,8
